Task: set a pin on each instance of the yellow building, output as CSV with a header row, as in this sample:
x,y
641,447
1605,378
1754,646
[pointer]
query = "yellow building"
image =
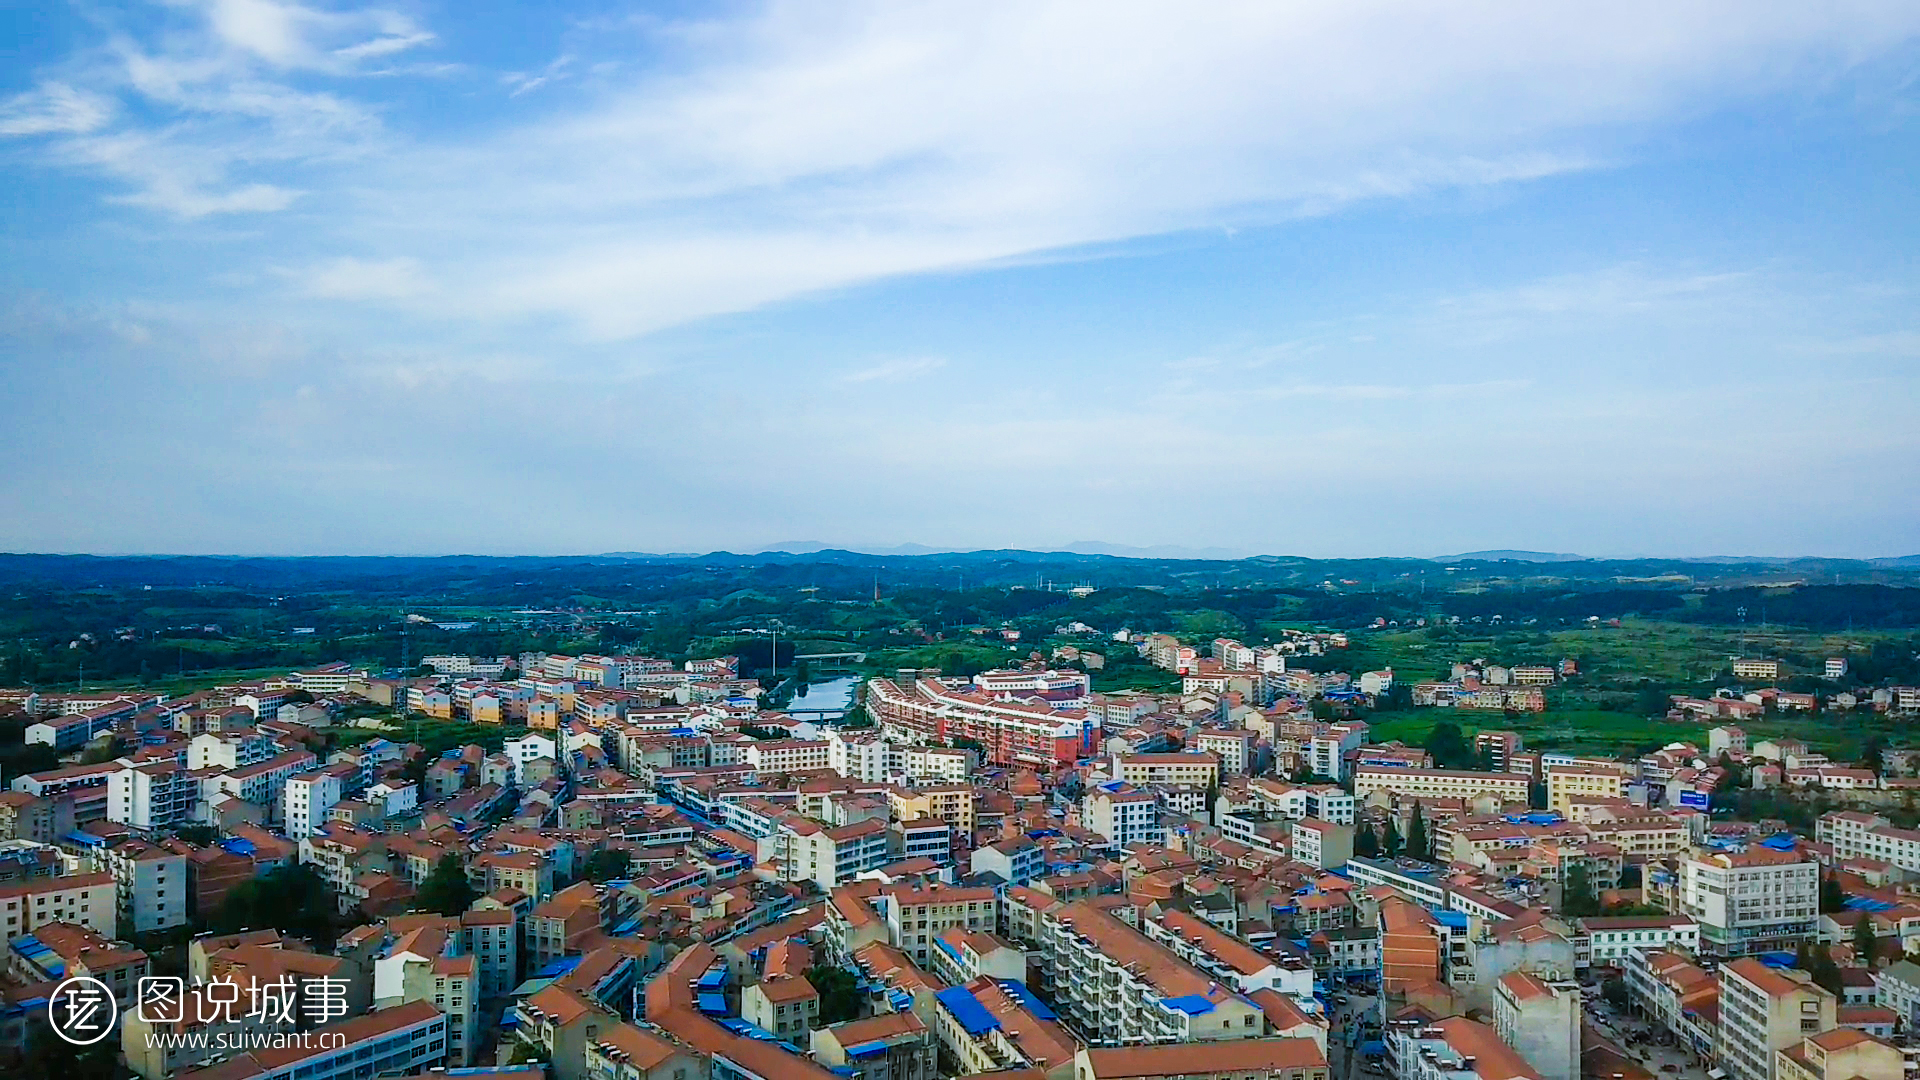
x,y
1592,781
951,803
1439,783
1198,770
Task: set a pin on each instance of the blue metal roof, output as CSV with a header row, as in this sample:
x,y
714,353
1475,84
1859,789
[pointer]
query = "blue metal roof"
x,y
1018,991
1191,1004
713,1004
559,967
967,1009
1867,903
713,980
1455,919
1777,959
866,1049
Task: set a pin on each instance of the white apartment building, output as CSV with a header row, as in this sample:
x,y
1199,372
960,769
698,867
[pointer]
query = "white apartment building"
x,y
1752,901
1609,940
1119,986
1439,783
228,750
1756,669
150,886
775,757
1122,814
152,795
1541,1020
1856,835
806,850
1322,844
1453,1049
1763,1010
89,900
305,800
529,748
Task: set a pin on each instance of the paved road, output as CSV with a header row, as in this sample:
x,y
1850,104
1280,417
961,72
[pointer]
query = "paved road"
x,y
1639,1038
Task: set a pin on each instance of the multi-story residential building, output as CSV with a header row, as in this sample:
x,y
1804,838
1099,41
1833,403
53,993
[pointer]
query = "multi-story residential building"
x,y
1533,675
1235,748
1541,1020
987,1027
307,797
89,900
1322,844
1609,940
1122,814
1567,782
59,950
1499,748
951,803
1012,732
1197,770
1764,1010
1752,901
1840,1054
915,917
1747,668
28,817
1439,784
428,962
1016,861
777,757
810,851
784,1004
405,1040
1121,987
1252,1059
150,885
152,795
1668,987
1230,959
1452,1049
1899,990
890,1046
625,1052
1856,835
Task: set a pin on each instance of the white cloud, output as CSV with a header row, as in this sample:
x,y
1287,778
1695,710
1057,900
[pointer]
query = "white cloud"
x,y
783,151
362,279
54,108
896,370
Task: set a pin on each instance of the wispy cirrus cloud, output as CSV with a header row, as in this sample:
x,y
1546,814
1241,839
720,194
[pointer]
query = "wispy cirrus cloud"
x,y
817,150
896,370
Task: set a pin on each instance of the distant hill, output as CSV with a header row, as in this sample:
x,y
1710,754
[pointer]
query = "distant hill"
x,y
1510,555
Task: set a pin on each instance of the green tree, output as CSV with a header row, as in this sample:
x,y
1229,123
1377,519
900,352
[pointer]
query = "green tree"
x,y
1419,844
446,890
840,996
1392,844
1832,897
608,864
1874,754
291,899
1803,956
1448,746
1366,842
1865,942
1826,973
50,1055
1577,897
1615,991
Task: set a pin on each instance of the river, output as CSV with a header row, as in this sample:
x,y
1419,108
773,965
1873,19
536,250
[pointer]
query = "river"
x,y
834,693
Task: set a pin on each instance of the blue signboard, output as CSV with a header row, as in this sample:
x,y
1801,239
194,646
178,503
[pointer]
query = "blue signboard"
x,y
1694,799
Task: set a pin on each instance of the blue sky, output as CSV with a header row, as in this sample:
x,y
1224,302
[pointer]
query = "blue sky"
x,y
1339,278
